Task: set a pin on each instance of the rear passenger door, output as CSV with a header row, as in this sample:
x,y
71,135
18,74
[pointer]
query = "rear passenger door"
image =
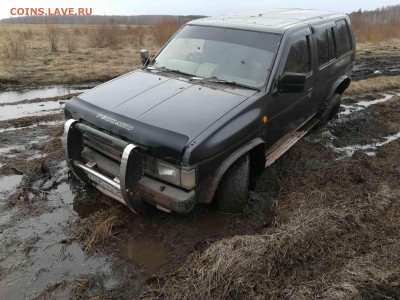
x,y
287,111
333,53
326,61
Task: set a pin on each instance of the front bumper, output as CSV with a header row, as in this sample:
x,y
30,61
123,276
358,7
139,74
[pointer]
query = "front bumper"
x,y
116,170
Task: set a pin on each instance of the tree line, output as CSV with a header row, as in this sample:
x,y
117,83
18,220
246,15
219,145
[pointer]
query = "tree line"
x,y
98,19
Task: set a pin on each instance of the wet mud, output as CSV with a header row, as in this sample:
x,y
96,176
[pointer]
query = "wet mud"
x,y
42,205
368,68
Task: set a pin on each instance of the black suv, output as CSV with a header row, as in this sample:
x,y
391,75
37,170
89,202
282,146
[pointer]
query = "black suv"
x,y
224,98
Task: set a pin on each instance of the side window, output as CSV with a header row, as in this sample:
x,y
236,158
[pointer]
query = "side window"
x,y
298,60
344,37
322,46
332,46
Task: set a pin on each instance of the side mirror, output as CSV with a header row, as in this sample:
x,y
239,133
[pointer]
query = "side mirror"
x,y
145,57
292,83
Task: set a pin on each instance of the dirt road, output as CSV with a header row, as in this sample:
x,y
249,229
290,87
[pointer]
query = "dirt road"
x,y
62,239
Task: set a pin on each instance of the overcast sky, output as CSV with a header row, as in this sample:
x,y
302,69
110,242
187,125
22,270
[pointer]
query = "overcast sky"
x,y
194,7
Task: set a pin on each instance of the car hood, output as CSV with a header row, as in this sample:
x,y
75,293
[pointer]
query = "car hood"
x,y
163,111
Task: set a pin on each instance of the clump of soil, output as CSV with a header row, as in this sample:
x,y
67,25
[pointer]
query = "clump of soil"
x,y
370,124
26,196
329,240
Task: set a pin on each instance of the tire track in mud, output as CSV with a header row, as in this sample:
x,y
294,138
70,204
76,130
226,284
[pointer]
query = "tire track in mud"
x,y
36,225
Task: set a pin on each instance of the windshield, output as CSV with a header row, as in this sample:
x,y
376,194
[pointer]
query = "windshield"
x,y
243,57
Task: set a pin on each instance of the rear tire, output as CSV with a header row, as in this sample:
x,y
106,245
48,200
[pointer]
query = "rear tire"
x,y
330,110
233,191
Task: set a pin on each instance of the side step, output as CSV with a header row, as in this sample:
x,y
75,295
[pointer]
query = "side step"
x,y
287,141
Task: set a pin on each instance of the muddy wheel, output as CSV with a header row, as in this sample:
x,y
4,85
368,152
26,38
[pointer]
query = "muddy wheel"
x,y
330,110
233,191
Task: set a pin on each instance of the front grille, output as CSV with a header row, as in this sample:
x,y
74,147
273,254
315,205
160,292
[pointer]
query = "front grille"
x,y
100,146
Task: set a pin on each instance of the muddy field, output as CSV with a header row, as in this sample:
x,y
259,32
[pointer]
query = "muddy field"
x,y
61,239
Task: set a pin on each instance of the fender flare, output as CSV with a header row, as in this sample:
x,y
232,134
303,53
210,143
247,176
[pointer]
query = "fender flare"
x,y
209,194
340,85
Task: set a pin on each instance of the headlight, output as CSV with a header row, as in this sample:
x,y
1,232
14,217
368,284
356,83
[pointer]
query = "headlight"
x,y
174,175
168,173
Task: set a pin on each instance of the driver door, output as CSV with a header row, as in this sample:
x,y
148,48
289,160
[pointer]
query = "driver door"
x,y
287,111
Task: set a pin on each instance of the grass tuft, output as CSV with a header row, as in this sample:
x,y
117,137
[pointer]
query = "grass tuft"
x,y
97,228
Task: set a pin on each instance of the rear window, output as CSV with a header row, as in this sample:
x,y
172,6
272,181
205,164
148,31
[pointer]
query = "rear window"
x,y
344,37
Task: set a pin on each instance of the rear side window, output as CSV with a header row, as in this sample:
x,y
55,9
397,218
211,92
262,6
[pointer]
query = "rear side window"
x,y
344,37
332,45
298,60
326,47
322,46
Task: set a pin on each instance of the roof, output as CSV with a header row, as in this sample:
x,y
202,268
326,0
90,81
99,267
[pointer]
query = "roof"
x,y
274,20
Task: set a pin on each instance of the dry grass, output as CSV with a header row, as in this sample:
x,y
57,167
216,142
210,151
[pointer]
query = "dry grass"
x,y
53,34
14,47
374,33
381,49
336,235
163,31
97,228
75,63
376,84
81,287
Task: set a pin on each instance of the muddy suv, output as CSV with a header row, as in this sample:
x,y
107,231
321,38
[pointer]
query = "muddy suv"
x,y
224,98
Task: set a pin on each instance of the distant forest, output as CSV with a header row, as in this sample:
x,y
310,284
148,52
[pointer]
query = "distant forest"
x,y
383,15
97,19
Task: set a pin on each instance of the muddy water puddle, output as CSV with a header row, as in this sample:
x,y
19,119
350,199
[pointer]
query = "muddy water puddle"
x,y
8,112
8,184
45,92
369,149
347,109
147,253
376,67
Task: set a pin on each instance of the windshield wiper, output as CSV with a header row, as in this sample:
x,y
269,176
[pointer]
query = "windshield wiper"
x,y
165,69
229,82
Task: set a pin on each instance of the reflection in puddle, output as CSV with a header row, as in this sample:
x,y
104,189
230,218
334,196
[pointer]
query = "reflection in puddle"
x,y
46,92
8,183
51,123
30,109
369,149
348,109
148,253
215,223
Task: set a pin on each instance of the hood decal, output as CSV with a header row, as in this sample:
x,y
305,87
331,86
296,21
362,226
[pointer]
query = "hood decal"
x,y
115,122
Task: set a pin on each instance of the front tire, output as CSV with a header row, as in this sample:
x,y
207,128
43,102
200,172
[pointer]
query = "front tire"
x,y
233,191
